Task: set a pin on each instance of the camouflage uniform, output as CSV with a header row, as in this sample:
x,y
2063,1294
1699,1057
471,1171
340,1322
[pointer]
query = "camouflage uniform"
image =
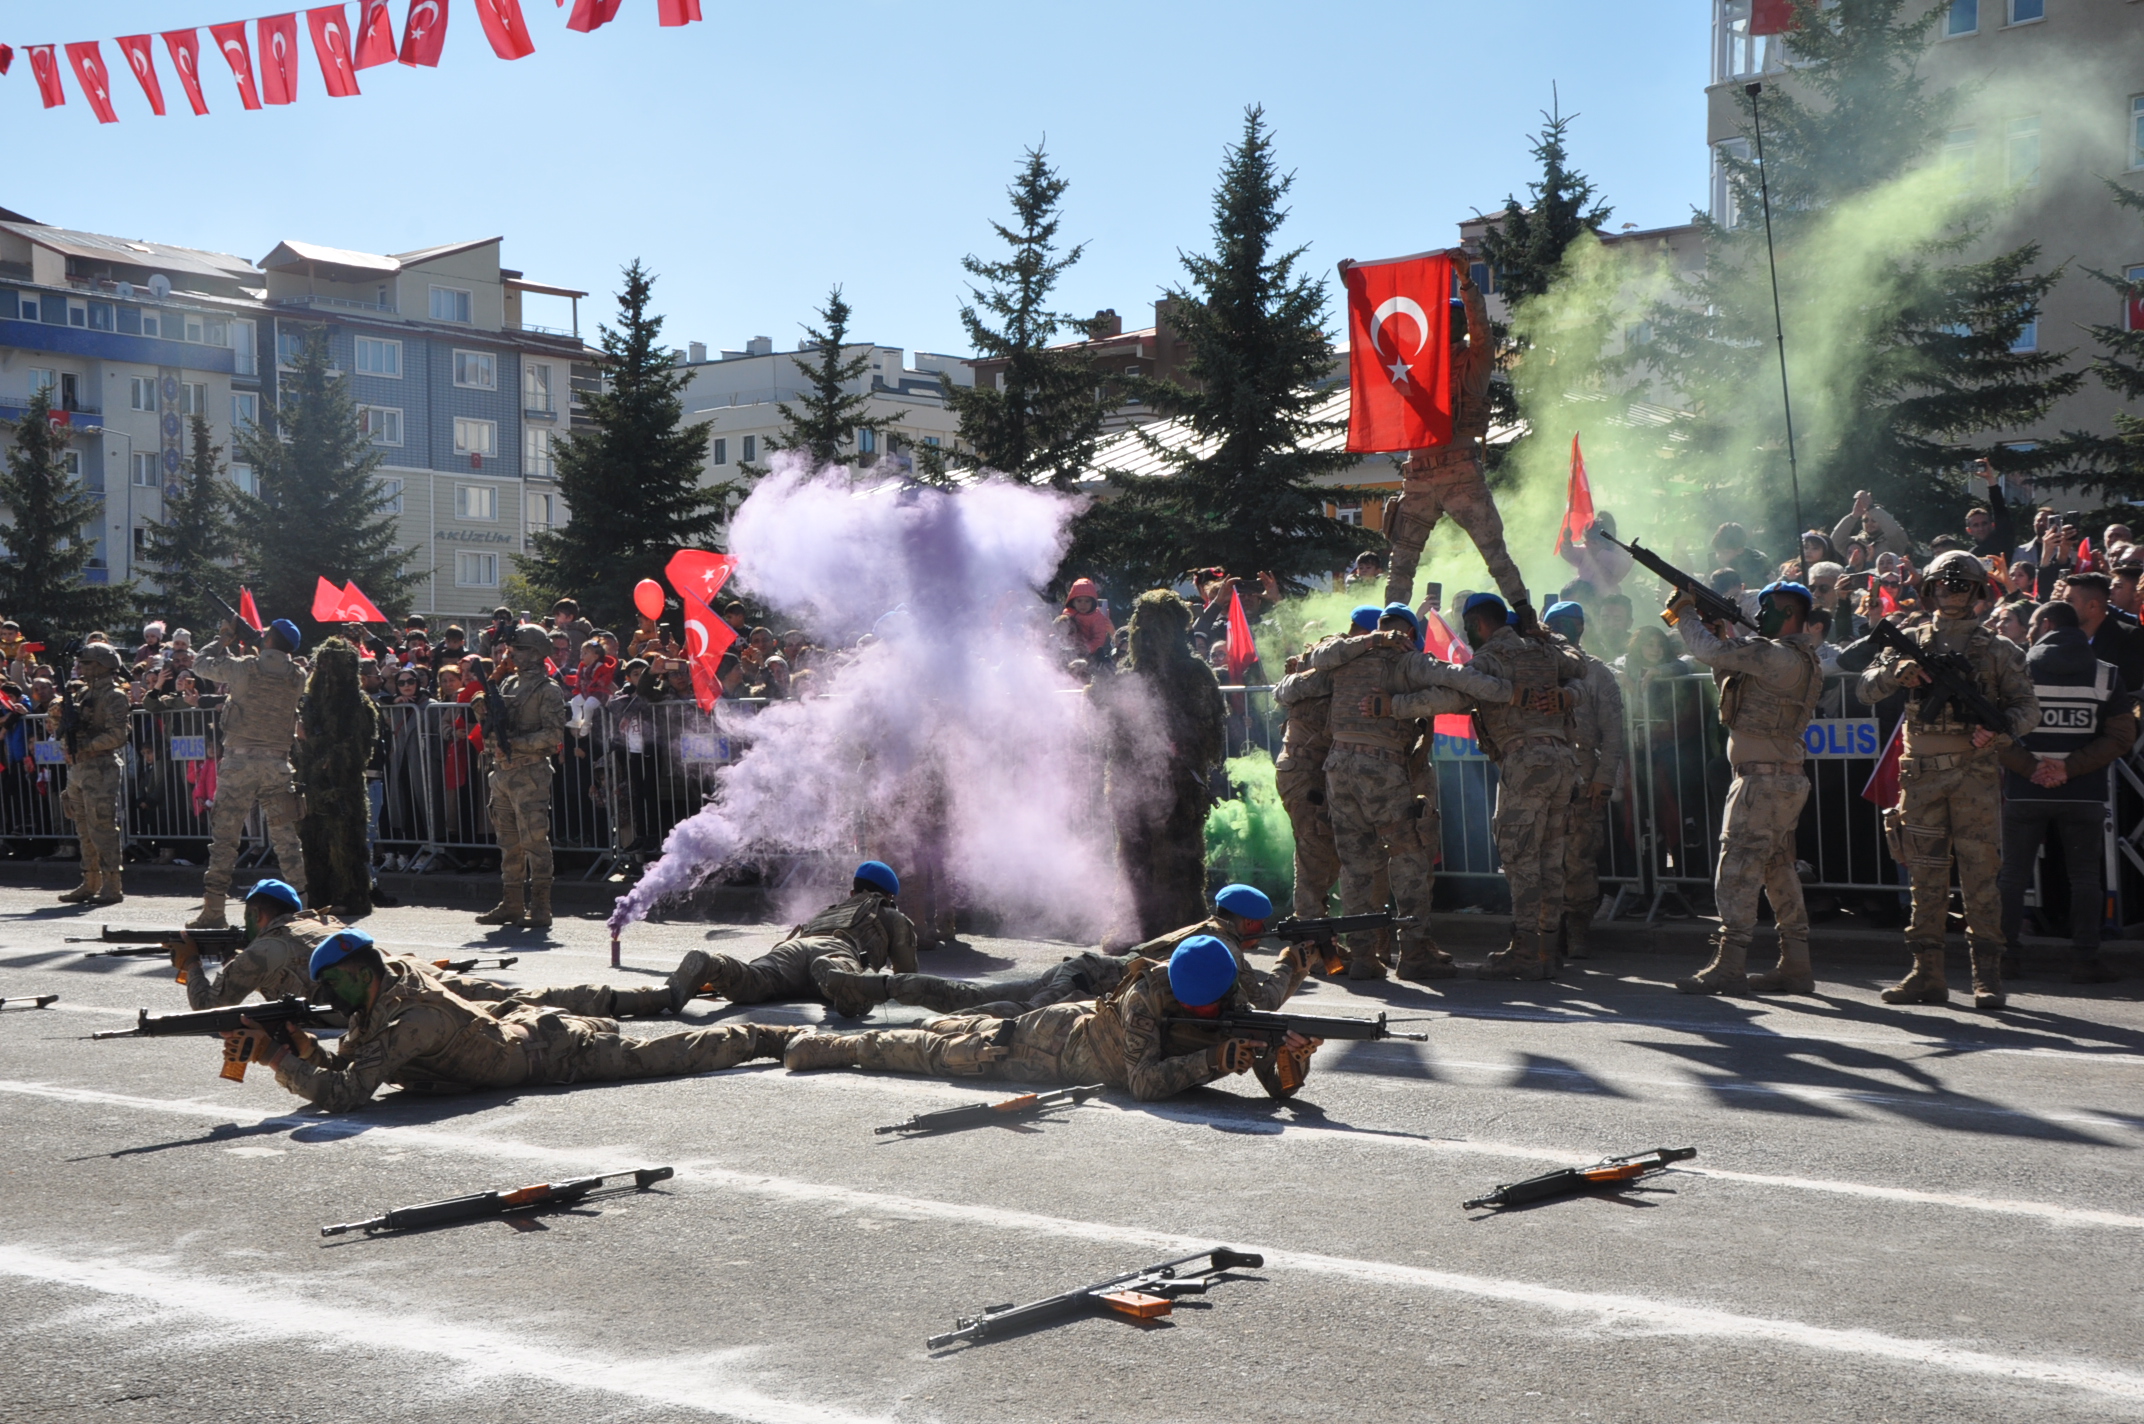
x,y
420,1034
1080,976
254,768
833,956
96,763
1951,802
1261,990
1299,777
1119,1040
1601,748
1383,818
1536,769
520,801
1447,479
277,961
1768,692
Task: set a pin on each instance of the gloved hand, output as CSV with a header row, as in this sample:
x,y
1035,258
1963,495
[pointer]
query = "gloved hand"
x,y
1235,1055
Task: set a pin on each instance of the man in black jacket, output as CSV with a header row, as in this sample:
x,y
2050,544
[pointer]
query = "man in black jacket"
x,y
2115,640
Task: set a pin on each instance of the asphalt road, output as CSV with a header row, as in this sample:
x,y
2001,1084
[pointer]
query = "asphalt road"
x,y
1894,1215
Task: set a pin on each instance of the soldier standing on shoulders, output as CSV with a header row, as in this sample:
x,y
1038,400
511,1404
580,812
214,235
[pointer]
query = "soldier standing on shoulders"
x,y
1601,746
1769,684
1950,783
93,738
259,722
524,726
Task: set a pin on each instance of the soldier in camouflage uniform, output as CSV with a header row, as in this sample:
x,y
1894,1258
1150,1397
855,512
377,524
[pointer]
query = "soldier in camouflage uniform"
x,y
1306,696
1769,685
834,955
520,750
258,724
1950,783
1600,741
93,738
1120,1039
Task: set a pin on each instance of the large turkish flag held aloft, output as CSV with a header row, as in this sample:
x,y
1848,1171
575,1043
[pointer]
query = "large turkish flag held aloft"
x,y
185,48
95,79
231,40
424,32
45,64
375,34
142,60
331,46
279,57
1399,324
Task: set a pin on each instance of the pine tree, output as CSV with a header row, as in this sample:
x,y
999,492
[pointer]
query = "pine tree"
x,y
191,551
50,538
318,512
632,479
830,417
2118,459
1041,420
1240,493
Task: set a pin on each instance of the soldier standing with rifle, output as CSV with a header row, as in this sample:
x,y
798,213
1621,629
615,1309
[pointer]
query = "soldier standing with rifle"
x,y
259,722
1601,749
93,737
1972,697
525,718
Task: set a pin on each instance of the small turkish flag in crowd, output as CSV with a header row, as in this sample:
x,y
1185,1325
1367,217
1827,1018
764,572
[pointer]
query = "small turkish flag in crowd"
x,y
185,49
331,46
356,608
95,79
231,40
1242,651
695,573
45,64
707,638
1577,503
1399,324
375,35
424,32
592,14
1882,787
1771,17
279,57
142,60
504,27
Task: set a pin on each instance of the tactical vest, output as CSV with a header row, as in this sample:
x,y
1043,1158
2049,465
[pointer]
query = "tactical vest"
x,y
855,919
2074,703
1353,681
261,717
1749,707
1531,665
1308,734
1978,644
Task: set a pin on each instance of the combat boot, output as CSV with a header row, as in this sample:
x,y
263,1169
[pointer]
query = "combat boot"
x,y
1988,980
508,911
540,905
853,995
108,890
821,1050
85,892
1365,964
639,1003
1528,956
686,979
1925,985
1577,924
1726,974
773,1040
211,916
1793,974
1422,962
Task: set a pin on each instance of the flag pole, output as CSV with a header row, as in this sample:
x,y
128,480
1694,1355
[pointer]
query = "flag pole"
x,y
1779,327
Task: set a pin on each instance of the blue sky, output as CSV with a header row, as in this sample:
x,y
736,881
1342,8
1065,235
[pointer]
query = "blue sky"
x,y
773,149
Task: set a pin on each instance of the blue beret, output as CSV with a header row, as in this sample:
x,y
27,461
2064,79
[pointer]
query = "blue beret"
x,y
288,632
1800,591
1245,901
336,948
1565,609
1401,610
1201,971
1480,602
877,872
1365,616
277,891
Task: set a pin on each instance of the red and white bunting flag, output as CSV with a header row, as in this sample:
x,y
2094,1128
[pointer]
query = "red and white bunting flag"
x,y
504,27
375,34
184,46
331,46
1399,322
1577,503
592,14
231,42
278,38
142,60
95,79
424,32
7,57
45,64
359,609
676,12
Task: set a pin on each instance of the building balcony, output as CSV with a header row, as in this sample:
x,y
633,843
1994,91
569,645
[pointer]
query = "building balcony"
x,y
77,417
333,304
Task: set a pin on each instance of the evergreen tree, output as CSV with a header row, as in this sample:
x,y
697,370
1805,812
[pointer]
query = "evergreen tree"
x,y
2118,459
830,417
631,480
1042,419
50,538
192,549
1240,493
318,512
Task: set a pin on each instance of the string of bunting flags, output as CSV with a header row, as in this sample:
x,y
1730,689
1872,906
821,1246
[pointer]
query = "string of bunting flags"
x,y
266,66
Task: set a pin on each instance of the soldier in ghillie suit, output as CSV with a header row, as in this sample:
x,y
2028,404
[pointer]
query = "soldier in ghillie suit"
x,y
337,725
1165,720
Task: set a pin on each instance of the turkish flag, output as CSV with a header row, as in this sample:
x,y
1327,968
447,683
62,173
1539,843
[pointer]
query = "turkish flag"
x,y
707,638
1882,787
248,611
1242,651
142,60
1577,503
231,40
95,79
375,34
2088,560
328,602
356,608
331,46
424,32
278,37
1399,323
45,64
504,27
1771,17
592,14
676,12
1439,641
7,57
696,573
185,50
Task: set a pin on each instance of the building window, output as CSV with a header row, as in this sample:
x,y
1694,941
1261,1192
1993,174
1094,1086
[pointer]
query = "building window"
x,y
721,450
450,304
866,441
378,357
1959,149
1347,513
196,330
1726,210
931,441
536,455
475,437
243,360
2135,317
29,309
100,317
141,543
2136,131
150,323
43,378
1964,18
536,386
2023,12
2025,152
287,346
476,369
245,410
2028,335
141,393
380,424
243,477
476,502
71,464
391,496
476,570
543,512
751,448
78,314
147,467
193,398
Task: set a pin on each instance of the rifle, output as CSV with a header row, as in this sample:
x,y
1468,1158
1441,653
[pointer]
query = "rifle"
x,y
1321,933
1711,607
1609,1172
1271,1029
278,1016
463,966
495,730
69,734
226,942
35,1002
513,1203
1143,1294
1951,683
975,1114
244,634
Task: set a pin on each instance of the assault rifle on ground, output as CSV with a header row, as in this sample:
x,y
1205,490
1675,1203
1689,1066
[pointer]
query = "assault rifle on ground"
x,y
1272,1029
35,1002
277,1016
1611,1172
154,944
1321,933
513,1203
1951,680
463,966
1711,607
1144,1294
242,633
976,1114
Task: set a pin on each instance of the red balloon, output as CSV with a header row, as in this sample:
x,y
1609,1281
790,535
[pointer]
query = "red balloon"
x,y
648,598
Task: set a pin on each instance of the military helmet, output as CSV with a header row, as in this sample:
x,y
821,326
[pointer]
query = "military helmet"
x,y
529,638
1957,566
102,655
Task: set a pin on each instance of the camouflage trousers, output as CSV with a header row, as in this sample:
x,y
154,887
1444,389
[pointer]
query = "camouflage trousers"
x,y
1941,815
91,800
1381,824
1317,855
1454,486
1081,977
591,1050
1040,1044
520,807
1582,839
795,968
1757,854
595,1001
1533,814
245,779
